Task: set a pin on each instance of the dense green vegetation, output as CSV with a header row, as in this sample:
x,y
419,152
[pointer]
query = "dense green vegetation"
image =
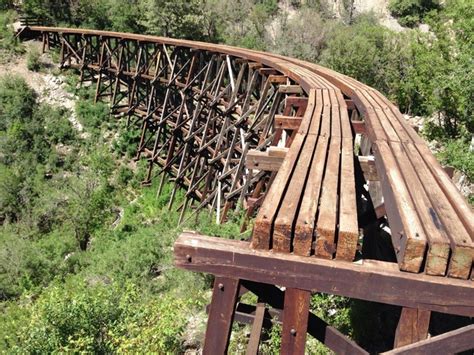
x,y
85,251
71,279
412,12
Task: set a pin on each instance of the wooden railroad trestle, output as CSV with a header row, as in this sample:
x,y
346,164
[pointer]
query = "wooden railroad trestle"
x,y
318,156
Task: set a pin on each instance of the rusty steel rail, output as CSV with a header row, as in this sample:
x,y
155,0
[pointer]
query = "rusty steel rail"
x,y
276,136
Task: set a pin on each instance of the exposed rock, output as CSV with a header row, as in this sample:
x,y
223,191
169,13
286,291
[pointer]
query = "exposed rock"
x,y
463,184
423,27
98,280
193,336
51,88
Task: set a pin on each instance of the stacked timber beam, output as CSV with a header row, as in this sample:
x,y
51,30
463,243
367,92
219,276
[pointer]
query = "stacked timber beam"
x,y
312,199
432,225
235,127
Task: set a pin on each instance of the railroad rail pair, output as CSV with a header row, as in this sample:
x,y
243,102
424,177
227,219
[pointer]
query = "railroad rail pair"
x,y
319,157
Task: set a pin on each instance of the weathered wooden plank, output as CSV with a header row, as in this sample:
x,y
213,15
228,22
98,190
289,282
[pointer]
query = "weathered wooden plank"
x,y
412,326
254,341
458,202
287,122
259,160
328,208
290,89
367,280
438,242
452,342
327,219
367,165
295,321
462,248
358,127
348,233
408,237
306,219
261,236
221,314
277,151
297,101
282,229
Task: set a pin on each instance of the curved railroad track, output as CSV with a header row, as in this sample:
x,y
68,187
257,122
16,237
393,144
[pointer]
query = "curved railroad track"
x,y
317,157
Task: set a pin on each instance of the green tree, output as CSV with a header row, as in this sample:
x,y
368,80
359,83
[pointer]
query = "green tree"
x,y
292,38
6,4
178,19
411,12
10,188
90,197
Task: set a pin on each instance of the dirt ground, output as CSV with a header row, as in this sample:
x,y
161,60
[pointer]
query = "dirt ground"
x,y
49,86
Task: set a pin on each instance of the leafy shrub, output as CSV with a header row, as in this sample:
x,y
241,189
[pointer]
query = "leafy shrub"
x,y
6,4
457,154
127,141
125,175
411,12
33,61
10,188
17,101
92,115
306,45
9,45
158,328
75,317
28,265
373,49
58,128
99,317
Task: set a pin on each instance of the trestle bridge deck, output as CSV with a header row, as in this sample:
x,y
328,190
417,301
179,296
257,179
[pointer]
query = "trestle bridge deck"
x,y
318,158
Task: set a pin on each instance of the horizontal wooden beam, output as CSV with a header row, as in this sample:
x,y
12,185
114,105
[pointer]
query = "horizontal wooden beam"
x,y
287,122
259,160
272,159
268,71
367,164
290,89
350,104
380,211
296,101
359,127
368,280
278,79
277,151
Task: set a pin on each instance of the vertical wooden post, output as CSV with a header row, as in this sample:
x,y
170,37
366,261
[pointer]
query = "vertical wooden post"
x,y
254,341
295,321
412,326
221,315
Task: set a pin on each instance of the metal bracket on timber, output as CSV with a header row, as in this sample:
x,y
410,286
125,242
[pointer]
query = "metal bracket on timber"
x,y
258,271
